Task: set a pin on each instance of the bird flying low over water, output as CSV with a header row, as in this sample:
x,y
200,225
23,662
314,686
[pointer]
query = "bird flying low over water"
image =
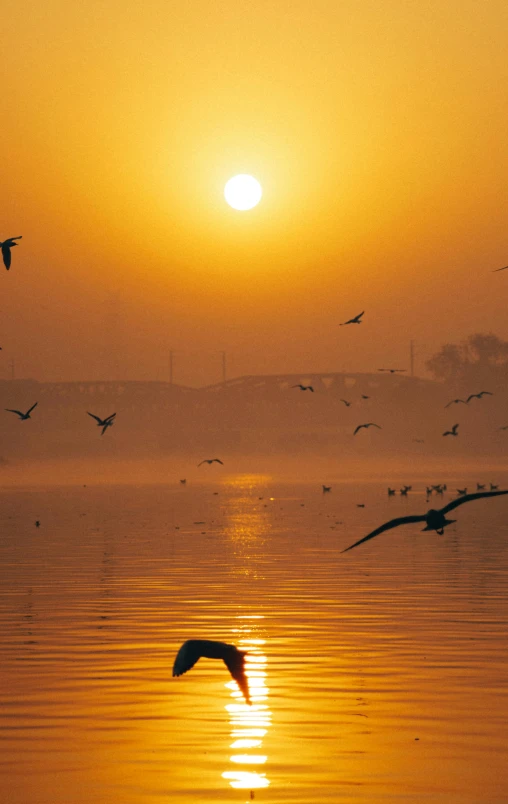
x,y
303,387
104,423
355,320
211,460
368,424
392,371
23,416
452,432
6,249
234,659
434,520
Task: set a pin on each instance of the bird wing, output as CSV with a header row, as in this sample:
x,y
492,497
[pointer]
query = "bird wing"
x,y
373,424
500,269
6,254
311,388
186,657
359,428
393,523
15,411
204,461
110,417
30,410
359,315
236,666
468,497
454,428
472,396
482,393
218,460
105,427
99,421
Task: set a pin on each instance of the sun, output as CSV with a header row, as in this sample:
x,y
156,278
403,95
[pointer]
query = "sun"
x,y
243,191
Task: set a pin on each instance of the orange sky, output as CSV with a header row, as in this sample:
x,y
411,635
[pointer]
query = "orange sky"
x,y
378,132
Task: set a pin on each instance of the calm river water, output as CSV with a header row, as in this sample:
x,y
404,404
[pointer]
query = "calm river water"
x,y
376,675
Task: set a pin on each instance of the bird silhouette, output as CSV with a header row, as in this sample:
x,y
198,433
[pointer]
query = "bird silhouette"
x,y
368,424
391,492
493,487
355,320
462,491
452,432
364,396
455,402
392,371
211,460
326,488
234,659
347,404
303,387
479,396
183,481
434,519
500,269
104,423
6,249
23,416
480,486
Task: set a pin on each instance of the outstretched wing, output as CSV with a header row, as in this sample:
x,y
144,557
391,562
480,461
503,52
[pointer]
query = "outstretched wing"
x,y
500,269
99,421
393,523
30,410
236,666
468,497
15,411
373,424
6,254
483,393
186,657
359,428
218,460
110,417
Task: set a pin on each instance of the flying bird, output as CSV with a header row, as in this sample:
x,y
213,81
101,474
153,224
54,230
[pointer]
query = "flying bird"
x,y
23,416
6,249
500,269
455,402
364,396
434,520
392,371
104,423
479,396
234,659
347,404
368,424
303,387
183,481
355,320
452,432
211,460
326,488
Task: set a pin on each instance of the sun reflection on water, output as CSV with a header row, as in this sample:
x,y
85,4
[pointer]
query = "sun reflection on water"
x,y
249,724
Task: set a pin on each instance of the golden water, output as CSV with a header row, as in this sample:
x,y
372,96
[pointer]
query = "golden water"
x,y
376,675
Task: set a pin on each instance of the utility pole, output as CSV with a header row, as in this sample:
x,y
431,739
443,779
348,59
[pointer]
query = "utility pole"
x,y
223,366
412,358
171,367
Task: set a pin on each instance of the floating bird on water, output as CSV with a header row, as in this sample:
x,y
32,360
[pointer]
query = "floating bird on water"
x,y
480,486
479,396
104,423
303,387
6,249
462,492
452,432
455,402
347,404
234,659
211,460
392,371
368,424
23,416
493,487
391,492
355,320
434,520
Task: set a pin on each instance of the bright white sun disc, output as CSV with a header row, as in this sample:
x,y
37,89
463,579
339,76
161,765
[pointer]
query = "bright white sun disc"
x,y
243,191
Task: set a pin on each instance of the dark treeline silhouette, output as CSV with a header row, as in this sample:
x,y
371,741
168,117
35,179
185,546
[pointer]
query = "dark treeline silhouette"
x,y
480,361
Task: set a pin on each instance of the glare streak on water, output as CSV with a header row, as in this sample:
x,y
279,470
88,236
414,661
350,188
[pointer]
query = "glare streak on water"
x,y
380,674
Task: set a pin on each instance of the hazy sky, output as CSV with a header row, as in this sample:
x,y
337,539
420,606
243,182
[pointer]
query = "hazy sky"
x,y
379,134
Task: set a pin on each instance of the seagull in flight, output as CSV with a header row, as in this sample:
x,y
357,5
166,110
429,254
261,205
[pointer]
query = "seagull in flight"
x,y
392,371
234,659
211,460
368,424
479,396
23,416
434,520
355,320
347,404
455,402
303,387
452,432
6,249
104,423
